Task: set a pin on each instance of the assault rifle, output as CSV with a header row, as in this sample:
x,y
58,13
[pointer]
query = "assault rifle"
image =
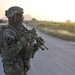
x,y
39,40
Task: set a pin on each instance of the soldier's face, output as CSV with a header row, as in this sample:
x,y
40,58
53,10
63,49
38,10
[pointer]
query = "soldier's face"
x,y
19,18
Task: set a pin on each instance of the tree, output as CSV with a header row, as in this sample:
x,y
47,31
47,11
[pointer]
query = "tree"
x,y
1,20
33,19
68,21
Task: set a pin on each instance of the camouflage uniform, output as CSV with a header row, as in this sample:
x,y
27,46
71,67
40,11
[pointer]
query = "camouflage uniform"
x,y
11,47
14,43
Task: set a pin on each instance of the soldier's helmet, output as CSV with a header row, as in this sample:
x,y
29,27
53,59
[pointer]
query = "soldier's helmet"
x,y
12,11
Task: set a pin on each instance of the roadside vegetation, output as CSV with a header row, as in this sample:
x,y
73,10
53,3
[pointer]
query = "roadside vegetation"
x,y
65,31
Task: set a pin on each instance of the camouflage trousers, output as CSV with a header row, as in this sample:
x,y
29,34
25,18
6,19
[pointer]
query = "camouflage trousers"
x,y
13,68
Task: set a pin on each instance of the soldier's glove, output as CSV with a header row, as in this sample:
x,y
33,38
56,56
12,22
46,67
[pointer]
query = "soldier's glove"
x,y
35,47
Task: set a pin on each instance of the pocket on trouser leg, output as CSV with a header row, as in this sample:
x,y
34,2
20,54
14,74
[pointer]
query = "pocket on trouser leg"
x,y
18,69
8,69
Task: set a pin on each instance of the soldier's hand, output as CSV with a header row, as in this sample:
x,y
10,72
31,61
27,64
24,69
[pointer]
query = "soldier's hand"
x,y
36,46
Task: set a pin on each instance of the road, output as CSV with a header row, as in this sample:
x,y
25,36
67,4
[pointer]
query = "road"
x,y
58,60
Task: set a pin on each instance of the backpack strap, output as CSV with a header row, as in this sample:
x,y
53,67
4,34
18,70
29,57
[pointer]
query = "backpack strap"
x,y
1,35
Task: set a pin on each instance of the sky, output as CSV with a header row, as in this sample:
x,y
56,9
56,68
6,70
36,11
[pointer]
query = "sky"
x,y
49,10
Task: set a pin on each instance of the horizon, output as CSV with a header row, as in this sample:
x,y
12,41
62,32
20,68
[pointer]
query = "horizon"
x,y
30,18
49,10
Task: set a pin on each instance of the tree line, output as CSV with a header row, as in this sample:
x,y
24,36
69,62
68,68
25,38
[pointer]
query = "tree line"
x,y
3,21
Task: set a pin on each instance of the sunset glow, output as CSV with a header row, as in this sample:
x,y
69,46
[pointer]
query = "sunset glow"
x,y
55,10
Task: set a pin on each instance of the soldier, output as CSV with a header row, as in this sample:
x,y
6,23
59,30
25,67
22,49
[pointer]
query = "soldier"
x,y
14,42
17,46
